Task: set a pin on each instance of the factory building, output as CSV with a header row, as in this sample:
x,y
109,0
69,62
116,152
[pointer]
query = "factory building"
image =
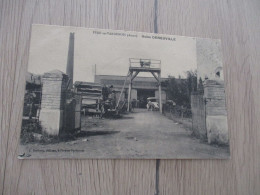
x,y
142,87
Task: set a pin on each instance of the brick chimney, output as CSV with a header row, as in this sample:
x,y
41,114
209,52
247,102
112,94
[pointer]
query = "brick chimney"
x,y
70,60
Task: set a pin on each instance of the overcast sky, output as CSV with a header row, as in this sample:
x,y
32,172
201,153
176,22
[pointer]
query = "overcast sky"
x,y
110,53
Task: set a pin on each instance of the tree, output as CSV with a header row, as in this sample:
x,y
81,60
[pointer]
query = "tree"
x,y
200,86
191,81
179,90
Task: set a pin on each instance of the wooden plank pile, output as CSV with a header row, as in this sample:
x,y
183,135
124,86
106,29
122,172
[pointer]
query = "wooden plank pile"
x,y
91,94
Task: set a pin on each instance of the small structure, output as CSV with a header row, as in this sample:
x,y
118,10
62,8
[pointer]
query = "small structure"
x,y
144,65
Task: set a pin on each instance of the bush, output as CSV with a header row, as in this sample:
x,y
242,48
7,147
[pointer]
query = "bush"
x,y
32,133
29,127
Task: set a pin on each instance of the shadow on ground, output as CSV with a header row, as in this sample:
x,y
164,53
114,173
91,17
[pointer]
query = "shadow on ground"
x,y
126,117
95,133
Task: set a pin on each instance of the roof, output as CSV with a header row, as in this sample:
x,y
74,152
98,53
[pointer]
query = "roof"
x,y
138,82
152,98
81,84
54,73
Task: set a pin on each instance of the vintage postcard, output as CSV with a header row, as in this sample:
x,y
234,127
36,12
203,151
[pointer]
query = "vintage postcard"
x,y
108,94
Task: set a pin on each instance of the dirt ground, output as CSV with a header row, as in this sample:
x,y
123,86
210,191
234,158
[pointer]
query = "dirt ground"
x,y
140,134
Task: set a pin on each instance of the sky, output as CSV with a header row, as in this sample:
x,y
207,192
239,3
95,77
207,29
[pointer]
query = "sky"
x,y
109,52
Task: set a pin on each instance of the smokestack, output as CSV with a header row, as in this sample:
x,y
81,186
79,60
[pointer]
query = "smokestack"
x,y
70,60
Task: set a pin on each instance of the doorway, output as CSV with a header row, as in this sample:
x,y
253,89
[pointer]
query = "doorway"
x,y
142,95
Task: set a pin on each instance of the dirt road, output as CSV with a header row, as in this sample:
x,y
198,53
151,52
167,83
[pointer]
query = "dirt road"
x,y
141,134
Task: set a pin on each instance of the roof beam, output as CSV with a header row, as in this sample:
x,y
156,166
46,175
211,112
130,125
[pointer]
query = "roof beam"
x,y
136,73
156,77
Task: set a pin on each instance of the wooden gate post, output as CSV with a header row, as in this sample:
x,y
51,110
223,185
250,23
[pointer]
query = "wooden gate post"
x,y
129,92
160,92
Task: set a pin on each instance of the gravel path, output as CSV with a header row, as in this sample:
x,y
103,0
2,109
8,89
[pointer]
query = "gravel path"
x,y
141,134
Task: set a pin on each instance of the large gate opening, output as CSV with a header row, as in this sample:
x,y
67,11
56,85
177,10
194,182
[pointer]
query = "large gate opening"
x,y
142,95
144,65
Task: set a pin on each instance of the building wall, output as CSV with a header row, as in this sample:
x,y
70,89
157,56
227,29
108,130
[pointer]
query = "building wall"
x,y
134,94
138,83
118,81
209,59
163,95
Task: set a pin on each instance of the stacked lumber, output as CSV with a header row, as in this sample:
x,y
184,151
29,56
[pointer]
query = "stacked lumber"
x,y
91,94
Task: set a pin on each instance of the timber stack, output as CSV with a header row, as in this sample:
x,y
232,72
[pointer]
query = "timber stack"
x,y
91,94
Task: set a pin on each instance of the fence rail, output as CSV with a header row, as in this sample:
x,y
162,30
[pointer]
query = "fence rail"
x,y
148,63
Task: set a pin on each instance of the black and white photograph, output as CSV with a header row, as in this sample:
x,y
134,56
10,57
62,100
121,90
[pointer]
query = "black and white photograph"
x,y
110,94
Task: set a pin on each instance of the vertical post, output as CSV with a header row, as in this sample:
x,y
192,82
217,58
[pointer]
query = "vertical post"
x,y
129,92
160,92
70,60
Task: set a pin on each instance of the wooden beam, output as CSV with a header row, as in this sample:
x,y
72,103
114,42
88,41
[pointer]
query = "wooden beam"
x,y
160,92
142,69
136,73
129,92
121,92
156,77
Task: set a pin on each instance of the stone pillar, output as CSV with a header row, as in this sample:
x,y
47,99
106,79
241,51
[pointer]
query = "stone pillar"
x,y
216,114
54,84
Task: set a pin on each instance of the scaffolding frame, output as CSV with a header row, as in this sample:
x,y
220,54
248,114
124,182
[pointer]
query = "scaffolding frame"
x,y
145,65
